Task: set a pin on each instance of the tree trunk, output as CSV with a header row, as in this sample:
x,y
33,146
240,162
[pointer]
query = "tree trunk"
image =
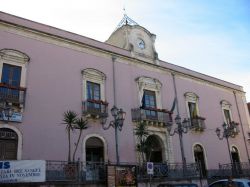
x,y
77,143
69,153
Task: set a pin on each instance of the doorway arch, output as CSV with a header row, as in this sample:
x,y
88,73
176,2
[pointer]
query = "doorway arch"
x,y
154,151
235,155
8,144
199,157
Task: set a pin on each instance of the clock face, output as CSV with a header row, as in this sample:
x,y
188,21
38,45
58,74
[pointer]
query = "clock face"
x,y
141,44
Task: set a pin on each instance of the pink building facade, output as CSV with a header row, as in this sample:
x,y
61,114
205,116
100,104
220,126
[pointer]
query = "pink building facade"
x,y
46,71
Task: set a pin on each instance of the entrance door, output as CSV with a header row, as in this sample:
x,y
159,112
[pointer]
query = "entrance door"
x,y
8,144
94,159
236,160
154,152
200,159
94,150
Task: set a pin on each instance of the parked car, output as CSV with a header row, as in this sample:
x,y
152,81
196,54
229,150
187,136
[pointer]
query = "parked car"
x,y
178,185
235,183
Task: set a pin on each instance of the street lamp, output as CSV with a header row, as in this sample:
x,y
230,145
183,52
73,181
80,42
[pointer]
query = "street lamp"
x,y
117,124
229,130
182,127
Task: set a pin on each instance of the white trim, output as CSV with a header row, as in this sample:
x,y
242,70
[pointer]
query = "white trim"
x,y
20,139
105,146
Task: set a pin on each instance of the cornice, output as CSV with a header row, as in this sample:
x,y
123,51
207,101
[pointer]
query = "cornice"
x,y
101,52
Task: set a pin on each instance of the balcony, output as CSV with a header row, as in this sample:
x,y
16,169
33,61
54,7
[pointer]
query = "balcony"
x,y
159,117
12,94
198,123
95,108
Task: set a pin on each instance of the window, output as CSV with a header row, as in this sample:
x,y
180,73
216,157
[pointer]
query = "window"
x,y
11,76
226,111
192,109
227,116
93,84
93,90
153,91
93,96
149,102
192,105
13,68
197,122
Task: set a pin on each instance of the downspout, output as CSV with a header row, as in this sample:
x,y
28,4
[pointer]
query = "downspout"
x,y
241,125
114,83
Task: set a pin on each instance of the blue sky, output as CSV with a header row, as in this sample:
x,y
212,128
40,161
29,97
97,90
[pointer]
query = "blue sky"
x,y
211,37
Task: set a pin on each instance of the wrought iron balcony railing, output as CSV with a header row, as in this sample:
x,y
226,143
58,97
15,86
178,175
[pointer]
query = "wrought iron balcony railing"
x,y
197,123
153,116
12,94
95,108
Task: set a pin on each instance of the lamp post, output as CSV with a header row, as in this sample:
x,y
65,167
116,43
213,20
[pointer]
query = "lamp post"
x,y
117,124
182,127
229,130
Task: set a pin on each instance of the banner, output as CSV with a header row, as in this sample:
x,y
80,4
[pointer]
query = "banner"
x,y
16,117
22,171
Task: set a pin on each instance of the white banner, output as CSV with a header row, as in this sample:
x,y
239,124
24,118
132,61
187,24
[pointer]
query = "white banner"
x,y
16,117
22,171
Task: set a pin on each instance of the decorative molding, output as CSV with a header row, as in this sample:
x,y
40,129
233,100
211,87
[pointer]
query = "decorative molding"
x,y
94,74
67,43
14,56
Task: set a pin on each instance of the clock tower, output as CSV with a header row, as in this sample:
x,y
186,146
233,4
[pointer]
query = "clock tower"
x,y
139,41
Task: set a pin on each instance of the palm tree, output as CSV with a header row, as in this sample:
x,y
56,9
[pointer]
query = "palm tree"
x,y
80,124
69,118
141,131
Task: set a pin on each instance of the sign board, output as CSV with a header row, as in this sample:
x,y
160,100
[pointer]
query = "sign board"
x,y
150,168
22,171
16,117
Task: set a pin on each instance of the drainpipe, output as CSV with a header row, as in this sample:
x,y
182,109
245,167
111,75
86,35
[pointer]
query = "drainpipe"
x,y
241,125
114,83
178,114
